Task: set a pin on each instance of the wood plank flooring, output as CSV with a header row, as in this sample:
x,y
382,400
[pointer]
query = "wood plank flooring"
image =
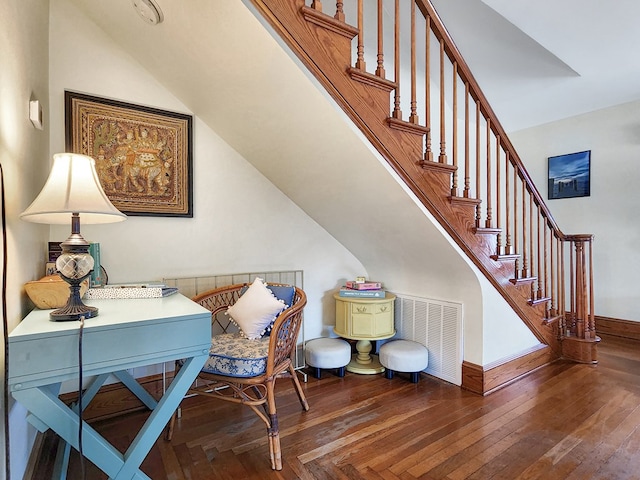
x,y
564,421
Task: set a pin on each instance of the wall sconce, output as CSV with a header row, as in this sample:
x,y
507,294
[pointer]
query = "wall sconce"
x,y
73,188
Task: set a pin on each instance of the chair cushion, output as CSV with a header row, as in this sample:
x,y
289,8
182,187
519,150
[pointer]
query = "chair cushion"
x,y
235,356
255,310
286,293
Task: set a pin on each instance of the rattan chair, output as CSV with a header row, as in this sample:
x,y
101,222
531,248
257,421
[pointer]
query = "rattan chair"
x,y
257,392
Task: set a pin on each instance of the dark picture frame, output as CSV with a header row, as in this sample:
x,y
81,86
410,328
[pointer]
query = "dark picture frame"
x,y
143,155
569,175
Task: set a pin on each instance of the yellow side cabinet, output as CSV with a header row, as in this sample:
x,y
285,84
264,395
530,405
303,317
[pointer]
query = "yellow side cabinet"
x,y
365,319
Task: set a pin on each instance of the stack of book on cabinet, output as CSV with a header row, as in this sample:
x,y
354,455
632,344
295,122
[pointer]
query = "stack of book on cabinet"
x,y
362,288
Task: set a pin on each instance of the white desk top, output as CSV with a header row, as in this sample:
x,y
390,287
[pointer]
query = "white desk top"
x,y
127,333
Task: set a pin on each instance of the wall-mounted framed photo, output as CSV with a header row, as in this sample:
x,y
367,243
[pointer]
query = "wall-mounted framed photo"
x,y
570,175
144,155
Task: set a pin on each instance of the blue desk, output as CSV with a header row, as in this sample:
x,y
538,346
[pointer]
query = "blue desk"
x,y
128,333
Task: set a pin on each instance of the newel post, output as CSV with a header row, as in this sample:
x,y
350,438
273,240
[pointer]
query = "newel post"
x,y
579,341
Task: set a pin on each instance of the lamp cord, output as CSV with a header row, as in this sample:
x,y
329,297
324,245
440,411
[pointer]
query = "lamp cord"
x,y
80,449
5,329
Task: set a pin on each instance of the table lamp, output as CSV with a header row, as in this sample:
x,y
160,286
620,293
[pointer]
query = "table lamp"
x,y
73,188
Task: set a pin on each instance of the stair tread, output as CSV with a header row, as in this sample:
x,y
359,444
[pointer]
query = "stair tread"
x,y
487,231
506,257
405,126
437,166
538,301
523,280
455,200
552,320
327,21
371,79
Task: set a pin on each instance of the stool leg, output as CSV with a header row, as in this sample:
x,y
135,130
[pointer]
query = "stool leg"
x,y
388,373
415,376
340,371
317,372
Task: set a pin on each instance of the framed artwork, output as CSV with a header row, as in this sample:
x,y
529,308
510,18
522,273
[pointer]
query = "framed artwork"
x,y
143,155
570,175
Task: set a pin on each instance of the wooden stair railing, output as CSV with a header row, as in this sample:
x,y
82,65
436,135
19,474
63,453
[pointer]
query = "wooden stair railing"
x,y
475,183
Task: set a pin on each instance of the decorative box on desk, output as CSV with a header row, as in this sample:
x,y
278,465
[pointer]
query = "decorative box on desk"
x,y
127,333
365,319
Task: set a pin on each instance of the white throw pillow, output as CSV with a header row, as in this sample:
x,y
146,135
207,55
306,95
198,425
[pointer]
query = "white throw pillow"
x,y
255,310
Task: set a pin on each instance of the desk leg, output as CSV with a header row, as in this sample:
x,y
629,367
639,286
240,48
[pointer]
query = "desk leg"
x,y
158,419
135,388
64,449
92,391
61,464
45,405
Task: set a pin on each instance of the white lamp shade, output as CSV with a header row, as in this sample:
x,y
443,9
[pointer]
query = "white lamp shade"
x,y
73,186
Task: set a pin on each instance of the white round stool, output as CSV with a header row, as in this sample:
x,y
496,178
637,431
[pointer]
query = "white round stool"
x,y
404,356
327,353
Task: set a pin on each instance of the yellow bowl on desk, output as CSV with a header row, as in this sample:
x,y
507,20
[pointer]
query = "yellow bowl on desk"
x,y
51,291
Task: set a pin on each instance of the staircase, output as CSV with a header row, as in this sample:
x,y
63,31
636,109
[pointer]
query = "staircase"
x,y
450,149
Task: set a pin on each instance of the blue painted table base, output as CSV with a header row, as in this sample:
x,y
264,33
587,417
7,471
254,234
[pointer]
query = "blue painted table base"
x,y
48,409
128,333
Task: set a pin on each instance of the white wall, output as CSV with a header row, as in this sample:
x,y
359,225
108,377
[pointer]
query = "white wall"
x,y
24,155
612,210
241,221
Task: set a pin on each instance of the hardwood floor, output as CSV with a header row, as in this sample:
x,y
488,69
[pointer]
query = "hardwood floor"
x,y
564,421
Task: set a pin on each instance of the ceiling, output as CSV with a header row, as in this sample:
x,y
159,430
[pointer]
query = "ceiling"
x,y
535,61
550,59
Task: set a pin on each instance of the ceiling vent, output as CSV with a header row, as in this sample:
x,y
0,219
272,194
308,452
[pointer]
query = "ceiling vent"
x,y
149,11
